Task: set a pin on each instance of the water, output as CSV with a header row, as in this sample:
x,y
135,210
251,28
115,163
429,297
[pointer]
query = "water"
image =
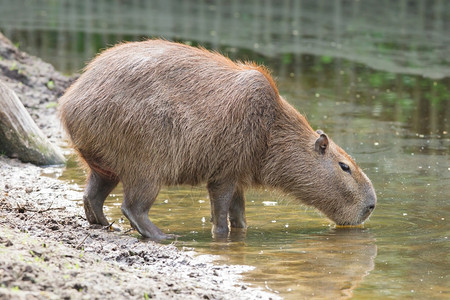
x,y
393,118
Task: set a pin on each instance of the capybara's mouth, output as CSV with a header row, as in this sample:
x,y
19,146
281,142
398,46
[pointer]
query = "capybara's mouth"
x,y
349,224
359,221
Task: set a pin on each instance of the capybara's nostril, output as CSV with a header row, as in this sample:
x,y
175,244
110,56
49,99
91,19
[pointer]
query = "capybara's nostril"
x,y
367,211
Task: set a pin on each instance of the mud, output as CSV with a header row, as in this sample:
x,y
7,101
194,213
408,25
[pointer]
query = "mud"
x,y
47,248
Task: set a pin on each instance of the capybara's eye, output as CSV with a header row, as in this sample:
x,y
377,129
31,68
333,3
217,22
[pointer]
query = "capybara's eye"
x,y
345,167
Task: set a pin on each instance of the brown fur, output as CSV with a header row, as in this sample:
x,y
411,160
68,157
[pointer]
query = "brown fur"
x,y
159,113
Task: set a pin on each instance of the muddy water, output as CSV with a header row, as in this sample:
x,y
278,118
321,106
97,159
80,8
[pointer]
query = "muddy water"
x,y
350,68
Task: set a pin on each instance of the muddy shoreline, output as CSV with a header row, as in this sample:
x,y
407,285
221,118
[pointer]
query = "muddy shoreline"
x,y
49,251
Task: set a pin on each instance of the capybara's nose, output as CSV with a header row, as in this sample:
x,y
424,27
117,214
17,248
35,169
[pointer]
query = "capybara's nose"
x,y
368,210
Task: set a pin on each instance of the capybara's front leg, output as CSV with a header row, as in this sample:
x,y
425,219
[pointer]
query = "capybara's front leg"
x,y
237,209
220,195
97,189
138,199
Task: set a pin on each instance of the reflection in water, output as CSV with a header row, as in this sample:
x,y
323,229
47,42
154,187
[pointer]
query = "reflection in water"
x,y
394,122
70,32
312,266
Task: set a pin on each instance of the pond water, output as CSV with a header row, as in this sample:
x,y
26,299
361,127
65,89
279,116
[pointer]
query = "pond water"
x,y
393,118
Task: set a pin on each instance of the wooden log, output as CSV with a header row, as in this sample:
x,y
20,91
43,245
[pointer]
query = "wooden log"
x,y
20,137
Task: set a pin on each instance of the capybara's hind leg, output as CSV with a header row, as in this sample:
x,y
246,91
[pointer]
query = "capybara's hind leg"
x,y
237,209
97,189
136,204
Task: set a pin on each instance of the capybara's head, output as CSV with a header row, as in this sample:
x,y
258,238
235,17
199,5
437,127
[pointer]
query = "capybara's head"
x,y
342,191
319,173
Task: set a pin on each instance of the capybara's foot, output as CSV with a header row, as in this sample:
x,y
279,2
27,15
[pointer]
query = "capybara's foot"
x,y
159,236
142,224
220,230
163,236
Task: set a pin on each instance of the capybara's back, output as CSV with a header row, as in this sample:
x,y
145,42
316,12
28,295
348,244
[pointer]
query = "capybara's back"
x,y
165,110
159,113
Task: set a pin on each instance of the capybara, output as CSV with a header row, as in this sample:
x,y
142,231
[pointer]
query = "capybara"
x,y
156,113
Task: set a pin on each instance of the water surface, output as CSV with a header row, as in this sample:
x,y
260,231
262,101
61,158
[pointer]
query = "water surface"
x,y
368,76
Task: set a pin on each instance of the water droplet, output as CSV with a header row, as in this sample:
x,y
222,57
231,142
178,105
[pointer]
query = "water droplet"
x,y
317,95
287,225
405,214
376,143
274,221
166,201
203,220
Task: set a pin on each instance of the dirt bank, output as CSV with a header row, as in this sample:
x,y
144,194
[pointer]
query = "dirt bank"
x,y
47,248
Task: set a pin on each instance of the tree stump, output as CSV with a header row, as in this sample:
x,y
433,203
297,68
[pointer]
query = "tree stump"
x,y
20,137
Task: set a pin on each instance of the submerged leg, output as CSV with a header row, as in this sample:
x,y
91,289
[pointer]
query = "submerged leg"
x,y
237,209
97,189
138,199
220,195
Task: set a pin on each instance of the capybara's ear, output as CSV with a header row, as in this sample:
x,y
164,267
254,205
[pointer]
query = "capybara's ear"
x,y
319,131
321,143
